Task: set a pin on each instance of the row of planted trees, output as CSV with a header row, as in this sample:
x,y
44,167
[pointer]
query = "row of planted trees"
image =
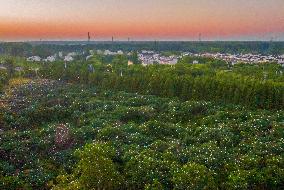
x,y
188,82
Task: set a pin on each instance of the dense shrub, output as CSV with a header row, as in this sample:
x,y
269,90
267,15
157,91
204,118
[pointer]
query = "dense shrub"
x,y
71,136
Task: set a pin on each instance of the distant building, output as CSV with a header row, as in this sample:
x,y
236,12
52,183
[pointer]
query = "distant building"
x,y
100,52
68,58
50,59
195,62
60,54
107,52
34,59
72,54
173,61
120,52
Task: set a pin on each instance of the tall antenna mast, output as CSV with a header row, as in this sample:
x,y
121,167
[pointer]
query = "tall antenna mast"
x,y
89,37
199,37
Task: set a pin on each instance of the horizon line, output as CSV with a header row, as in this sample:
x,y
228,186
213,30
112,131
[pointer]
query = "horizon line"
x,y
129,41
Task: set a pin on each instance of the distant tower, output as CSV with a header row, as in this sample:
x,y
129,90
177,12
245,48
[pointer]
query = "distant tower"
x,y
112,38
89,37
199,37
156,45
128,39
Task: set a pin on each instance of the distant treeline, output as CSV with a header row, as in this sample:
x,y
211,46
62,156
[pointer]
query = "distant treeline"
x,y
47,48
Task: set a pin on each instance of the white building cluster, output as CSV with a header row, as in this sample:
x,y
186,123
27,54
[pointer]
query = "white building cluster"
x,y
108,52
244,58
152,57
52,58
34,59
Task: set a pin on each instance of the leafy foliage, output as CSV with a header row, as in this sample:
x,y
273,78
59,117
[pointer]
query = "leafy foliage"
x,y
119,140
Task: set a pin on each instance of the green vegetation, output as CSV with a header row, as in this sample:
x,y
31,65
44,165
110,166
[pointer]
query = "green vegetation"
x,y
133,141
203,126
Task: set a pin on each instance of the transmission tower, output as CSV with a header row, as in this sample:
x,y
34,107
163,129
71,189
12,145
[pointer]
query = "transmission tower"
x,y
89,37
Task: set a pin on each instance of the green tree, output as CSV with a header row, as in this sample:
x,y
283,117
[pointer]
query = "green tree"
x,y
10,64
193,176
134,58
95,169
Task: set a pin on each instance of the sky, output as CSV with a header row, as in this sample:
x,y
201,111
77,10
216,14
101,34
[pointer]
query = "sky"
x,y
23,20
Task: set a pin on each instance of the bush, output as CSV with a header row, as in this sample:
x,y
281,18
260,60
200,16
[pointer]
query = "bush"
x,y
193,176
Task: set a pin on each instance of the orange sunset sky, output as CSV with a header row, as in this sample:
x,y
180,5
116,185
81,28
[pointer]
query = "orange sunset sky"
x,y
22,20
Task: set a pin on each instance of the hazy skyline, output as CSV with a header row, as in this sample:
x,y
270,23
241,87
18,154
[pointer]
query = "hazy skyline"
x,y
141,20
